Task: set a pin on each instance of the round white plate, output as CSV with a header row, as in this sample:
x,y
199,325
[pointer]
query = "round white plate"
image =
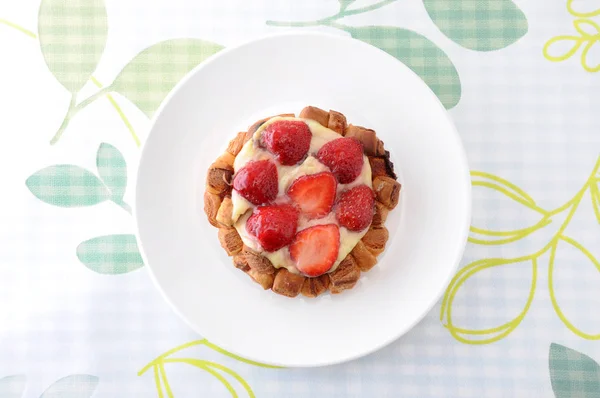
x,y
282,74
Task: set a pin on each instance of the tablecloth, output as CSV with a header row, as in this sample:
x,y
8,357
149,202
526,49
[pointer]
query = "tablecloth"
x,y
79,82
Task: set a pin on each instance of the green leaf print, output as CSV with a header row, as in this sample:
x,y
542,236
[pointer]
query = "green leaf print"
x,y
72,37
67,185
572,373
110,254
345,4
483,25
151,75
112,169
72,386
12,386
419,54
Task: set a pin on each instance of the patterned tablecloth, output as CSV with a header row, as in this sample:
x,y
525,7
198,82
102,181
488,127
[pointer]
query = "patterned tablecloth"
x,y
79,80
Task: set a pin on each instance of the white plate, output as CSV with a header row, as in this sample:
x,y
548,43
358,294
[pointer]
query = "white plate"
x,y
281,74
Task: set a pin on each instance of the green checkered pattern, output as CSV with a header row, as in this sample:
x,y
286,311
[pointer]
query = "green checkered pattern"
x,y
111,254
67,185
419,54
151,75
112,169
72,36
573,374
481,25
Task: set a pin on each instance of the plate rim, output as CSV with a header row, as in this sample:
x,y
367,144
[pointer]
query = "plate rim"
x,y
464,229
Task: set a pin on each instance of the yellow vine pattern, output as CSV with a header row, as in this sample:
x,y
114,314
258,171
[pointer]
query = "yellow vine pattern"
x,y
222,373
481,179
586,37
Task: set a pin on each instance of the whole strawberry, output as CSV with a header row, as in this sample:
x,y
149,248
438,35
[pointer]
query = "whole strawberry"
x,y
257,181
288,140
344,156
355,208
273,226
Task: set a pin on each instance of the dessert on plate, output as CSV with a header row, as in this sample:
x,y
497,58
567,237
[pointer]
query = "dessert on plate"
x,y
301,202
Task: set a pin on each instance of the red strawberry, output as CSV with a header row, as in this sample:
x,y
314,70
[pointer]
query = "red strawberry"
x,y
274,226
315,249
354,209
257,181
288,140
344,156
314,194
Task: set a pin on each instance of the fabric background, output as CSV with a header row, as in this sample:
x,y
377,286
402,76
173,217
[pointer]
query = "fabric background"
x,y
79,316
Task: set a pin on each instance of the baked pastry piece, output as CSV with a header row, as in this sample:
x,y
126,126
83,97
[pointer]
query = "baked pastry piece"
x,y
301,203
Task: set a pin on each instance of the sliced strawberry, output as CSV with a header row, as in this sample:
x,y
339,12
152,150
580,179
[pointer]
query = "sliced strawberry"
x,y
257,181
344,156
288,140
355,208
314,194
315,249
274,226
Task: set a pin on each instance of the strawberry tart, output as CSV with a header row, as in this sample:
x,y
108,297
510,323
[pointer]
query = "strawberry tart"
x,y
301,202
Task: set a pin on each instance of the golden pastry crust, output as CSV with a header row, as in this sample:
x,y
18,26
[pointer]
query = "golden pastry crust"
x,y
223,216
312,287
336,122
387,191
364,259
381,213
375,239
212,203
236,144
318,115
287,284
218,208
230,240
345,276
265,280
218,179
372,145
382,166
239,261
257,262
